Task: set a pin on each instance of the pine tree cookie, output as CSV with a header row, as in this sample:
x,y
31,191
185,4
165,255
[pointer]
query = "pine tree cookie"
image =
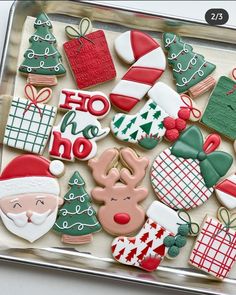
x,y
76,218
184,176
42,63
190,70
164,114
118,189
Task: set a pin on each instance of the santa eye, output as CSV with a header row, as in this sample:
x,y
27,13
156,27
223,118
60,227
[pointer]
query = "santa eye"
x,y
127,198
113,199
17,204
40,201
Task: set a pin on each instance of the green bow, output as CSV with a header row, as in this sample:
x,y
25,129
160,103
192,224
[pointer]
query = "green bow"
x,y
229,221
190,146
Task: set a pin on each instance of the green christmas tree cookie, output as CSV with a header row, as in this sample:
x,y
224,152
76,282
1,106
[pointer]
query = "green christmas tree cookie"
x,y
190,70
76,218
42,61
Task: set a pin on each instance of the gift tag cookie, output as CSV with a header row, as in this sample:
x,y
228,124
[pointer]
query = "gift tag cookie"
x,y
75,136
215,249
95,103
88,55
184,176
190,70
163,234
30,121
226,192
164,114
76,218
29,196
42,63
220,112
118,189
148,59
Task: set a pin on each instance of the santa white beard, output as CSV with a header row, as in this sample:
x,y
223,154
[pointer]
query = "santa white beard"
x,y
31,231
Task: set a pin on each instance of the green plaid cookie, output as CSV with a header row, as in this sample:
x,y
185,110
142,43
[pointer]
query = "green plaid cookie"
x,y
28,126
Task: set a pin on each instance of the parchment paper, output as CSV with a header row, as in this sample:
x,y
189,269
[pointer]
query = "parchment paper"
x,y
225,61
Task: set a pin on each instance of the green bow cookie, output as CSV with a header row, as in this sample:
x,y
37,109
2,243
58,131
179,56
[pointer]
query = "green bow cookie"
x,y
213,165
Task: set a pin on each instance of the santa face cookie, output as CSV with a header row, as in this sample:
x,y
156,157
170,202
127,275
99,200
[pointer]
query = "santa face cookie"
x,y
29,196
118,190
183,176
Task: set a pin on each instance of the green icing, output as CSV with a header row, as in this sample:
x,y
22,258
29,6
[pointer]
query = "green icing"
x,y
180,241
173,251
169,241
77,217
148,142
146,127
42,57
157,114
220,113
189,68
183,230
118,122
144,115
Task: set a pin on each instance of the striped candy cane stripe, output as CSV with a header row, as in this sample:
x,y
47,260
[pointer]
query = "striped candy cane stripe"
x,y
149,64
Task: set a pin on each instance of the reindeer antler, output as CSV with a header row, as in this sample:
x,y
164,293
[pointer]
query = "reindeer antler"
x,y
137,165
100,167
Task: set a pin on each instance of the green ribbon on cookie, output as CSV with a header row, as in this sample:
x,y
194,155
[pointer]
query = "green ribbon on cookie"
x,y
213,165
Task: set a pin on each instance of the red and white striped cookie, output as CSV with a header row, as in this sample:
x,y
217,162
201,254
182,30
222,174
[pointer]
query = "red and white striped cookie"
x,y
149,64
226,192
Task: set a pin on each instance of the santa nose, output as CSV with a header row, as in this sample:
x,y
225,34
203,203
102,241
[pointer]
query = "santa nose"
x,y
29,214
121,218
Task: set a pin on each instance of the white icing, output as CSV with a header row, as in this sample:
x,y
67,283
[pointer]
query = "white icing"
x,y
173,55
41,66
73,197
154,59
168,41
192,62
186,81
39,23
56,167
132,89
80,225
123,47
31,53
47,38
77,211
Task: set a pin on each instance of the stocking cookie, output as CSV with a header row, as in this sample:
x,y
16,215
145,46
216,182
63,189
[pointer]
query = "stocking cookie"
x,y
190,70
76,218
184,176
118,190
42,63
149,63
163,234
164,114
30,121
29,196
215,249
88,55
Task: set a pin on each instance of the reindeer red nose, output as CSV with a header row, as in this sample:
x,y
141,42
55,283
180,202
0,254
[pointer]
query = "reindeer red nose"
x,y
121,218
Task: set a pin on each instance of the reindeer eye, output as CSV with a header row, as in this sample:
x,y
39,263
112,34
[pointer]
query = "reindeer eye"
x,y
40,201
17,204
127,198
113,199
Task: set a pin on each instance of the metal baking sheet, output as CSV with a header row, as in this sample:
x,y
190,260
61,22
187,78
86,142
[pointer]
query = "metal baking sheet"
x,y
184,279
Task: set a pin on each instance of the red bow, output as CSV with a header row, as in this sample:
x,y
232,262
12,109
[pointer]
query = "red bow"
x,y
189,106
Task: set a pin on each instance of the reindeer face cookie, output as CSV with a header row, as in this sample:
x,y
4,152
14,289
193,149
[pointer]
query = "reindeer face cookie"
x,y
120,213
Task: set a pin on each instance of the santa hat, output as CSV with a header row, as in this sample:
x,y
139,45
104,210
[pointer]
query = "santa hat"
x,y
30,174
226,192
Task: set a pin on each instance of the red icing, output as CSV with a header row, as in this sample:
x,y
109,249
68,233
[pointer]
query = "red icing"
x,y
227,187
150,263
131,254
144,237
125,103
98,98
121,218
120,254
180,124
211,143
143,75
184,114
169,123
82,147
172,134
142,43
59,141
160,233
160,250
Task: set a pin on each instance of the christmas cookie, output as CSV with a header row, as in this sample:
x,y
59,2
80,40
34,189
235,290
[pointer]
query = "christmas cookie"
x,y
95,103
220,112
76,218
148,59
190,70
226,192
42,63
30,121
75,136
118,189
164,114
184,176
215,249
163,234
88,56
29,196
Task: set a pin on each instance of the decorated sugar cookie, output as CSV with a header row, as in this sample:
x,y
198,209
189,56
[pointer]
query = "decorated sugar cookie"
x,y
226,192
220,112
95,103
76,218
184,176
190,70
148,59
42,63
30,120
215,249
164,114
88,55
75,136
29,196
162,235
118,190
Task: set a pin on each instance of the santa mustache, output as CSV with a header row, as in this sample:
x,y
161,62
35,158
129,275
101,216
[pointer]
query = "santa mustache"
x,y
21,219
